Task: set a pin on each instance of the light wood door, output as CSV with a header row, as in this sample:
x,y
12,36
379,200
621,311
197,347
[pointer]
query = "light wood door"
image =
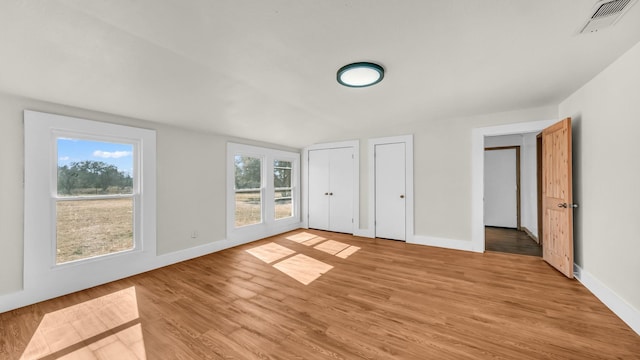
x,y
557,198
390,185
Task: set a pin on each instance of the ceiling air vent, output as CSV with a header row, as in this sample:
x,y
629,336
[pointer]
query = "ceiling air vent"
x,y
606,13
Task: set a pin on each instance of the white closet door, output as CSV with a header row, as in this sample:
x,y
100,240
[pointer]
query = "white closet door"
x,y
500,188
341,190
390,185
319,189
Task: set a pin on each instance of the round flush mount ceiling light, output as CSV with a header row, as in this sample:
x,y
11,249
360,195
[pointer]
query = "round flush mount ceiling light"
x,y
361,74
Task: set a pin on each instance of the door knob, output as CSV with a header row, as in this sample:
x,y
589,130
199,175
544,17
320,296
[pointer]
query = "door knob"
x,y
326,193
330,194
401,196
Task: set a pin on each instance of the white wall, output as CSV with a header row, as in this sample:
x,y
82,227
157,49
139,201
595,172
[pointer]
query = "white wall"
x,y
606,125
442,171
529,184
500,188
190,177
528,175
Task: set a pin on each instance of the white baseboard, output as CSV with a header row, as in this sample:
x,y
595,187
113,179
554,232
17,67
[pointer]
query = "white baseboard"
x,y
441,242
22,298
194,252
626,312
368,233
530,234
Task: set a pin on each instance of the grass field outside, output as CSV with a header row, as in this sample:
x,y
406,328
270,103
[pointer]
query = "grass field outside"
x,y
88,228
248,207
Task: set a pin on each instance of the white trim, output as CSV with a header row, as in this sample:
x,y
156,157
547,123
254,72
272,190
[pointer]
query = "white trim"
x,y
42,278
409,224
626,312
368,233
269,226
355,144
22,298
442,242
477,171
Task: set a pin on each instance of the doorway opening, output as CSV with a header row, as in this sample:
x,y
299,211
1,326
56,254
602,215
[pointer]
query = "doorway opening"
x,y
505,196
511,221
477,171
557,194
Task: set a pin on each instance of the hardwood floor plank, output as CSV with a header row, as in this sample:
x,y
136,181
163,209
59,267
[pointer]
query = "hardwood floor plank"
x,y
387,300
511,241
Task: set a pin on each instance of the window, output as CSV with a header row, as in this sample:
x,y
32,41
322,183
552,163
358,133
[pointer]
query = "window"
x,y
94,198
282,189
248,190
90,213
263,191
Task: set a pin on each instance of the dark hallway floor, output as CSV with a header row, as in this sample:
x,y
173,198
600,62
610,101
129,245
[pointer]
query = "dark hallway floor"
x,y
510,241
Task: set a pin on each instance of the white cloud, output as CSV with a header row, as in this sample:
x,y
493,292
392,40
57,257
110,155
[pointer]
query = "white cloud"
x,y
111,154
63,158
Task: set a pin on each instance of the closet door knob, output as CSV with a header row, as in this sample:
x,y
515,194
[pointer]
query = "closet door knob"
x,y
401,196
326,193
330,194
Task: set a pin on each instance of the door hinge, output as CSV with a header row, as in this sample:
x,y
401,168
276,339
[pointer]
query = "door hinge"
x,y
352,220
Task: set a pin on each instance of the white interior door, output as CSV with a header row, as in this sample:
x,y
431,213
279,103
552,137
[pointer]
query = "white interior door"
x,y
500,188
341,190
390,188
319,189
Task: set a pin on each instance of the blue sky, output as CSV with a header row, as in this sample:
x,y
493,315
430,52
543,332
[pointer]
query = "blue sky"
x,y
76,150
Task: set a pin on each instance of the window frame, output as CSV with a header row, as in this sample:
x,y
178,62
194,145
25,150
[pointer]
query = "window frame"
x,y
55,197
290,188
43,277
260,189
269,225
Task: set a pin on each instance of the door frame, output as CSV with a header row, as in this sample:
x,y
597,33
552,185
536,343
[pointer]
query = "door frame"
x,y
539,184
477,171
409,217
355,144
518,199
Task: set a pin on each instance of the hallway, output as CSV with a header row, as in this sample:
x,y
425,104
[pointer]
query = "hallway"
x,y
510,241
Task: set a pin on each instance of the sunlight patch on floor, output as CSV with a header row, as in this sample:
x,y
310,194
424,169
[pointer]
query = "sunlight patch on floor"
x,y
303,268
314,241
270,252
301,237
331,247
337,248
347,252
91,330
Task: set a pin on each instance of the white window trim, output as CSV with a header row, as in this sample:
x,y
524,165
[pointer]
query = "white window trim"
x,y
269,225
44,279
53,180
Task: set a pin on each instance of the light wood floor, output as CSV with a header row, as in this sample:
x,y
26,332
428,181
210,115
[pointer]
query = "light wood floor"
x,y
317,295
510,241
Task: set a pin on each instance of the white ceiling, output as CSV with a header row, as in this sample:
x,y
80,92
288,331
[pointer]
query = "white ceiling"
x,y
265,69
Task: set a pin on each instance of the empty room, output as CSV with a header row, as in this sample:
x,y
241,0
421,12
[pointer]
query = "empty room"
x,y
211,179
